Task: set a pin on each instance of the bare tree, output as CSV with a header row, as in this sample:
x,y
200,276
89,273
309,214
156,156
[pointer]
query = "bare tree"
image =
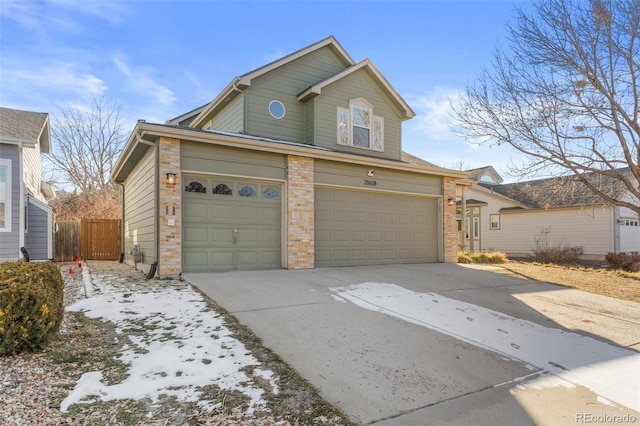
x,y
86,145
566,94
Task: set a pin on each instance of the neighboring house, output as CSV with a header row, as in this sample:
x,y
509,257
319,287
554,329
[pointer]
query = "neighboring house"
x,y
519,218
26,221
296,164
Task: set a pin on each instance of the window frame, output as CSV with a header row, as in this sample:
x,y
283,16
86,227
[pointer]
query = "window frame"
x,y
491,222
347,125
6,197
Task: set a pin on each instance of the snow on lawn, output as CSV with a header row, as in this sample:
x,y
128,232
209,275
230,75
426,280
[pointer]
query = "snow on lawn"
x,y
179,345
568,358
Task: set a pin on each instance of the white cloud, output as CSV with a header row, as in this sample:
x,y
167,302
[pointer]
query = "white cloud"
x,y
432,113
63,77
141,81
58,15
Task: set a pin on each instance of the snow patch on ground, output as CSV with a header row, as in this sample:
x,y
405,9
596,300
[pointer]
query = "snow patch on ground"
x,y
179,345
571,359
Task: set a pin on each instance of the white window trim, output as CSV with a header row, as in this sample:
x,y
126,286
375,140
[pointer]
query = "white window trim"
x,y
491,222
7,202
363,103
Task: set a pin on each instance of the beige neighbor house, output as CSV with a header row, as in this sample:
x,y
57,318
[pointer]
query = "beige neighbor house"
x,y
519,218
26,221
297,164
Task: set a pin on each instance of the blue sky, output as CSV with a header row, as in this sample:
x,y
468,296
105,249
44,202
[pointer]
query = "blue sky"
x,y
159,59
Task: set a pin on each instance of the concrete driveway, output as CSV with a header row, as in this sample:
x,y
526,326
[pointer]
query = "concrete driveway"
x,y
443,344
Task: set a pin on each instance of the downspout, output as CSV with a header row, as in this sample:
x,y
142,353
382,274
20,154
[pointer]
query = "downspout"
x,y
156,205
122,225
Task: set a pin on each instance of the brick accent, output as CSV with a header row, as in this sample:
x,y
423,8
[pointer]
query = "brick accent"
x,y
450,226
300,213
170,216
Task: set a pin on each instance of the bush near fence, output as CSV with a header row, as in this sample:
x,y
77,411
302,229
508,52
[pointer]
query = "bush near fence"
x,y
31,306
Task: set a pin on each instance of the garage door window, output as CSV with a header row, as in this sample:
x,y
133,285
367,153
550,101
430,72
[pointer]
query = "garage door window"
x,y
271,193
195,187
247,191
222,189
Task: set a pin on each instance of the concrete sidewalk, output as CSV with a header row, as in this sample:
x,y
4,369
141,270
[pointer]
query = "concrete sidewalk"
x,y
381,369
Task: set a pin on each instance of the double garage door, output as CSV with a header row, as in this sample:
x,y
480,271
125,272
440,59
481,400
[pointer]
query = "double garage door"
x,y
235,224
368,228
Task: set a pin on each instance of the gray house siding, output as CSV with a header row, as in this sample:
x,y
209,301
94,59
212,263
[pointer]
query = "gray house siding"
x,y
356,85
140,204
10,241
284,84
231,118
37,236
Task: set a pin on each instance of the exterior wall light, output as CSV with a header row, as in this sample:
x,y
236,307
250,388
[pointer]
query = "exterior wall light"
x,y
451,202
171,178
371,172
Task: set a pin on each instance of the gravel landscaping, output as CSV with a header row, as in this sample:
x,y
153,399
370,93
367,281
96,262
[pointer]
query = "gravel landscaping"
x,y
132,351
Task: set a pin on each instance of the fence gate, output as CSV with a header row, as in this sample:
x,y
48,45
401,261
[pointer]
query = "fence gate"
x,y
67,240
100,239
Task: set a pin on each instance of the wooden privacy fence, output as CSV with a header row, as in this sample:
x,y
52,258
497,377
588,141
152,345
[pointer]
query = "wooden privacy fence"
x,y
90,239
67,240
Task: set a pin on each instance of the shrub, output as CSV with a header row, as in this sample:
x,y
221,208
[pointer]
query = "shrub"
x,y
560,254
482,257
623,261
31,305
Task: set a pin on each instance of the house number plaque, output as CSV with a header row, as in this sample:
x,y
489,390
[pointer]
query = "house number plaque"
x,y
368,182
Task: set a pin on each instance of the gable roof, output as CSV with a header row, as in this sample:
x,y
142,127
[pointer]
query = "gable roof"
x,y
18,126
563,191
244,81
367,65
477,174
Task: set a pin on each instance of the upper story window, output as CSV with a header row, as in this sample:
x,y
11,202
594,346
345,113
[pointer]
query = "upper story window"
x,y
358,127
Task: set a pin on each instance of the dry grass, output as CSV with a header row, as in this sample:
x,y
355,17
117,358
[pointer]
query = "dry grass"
x,y
621,285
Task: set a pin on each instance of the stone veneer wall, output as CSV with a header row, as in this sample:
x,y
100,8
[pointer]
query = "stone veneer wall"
x,y
300,213
170,217
450,226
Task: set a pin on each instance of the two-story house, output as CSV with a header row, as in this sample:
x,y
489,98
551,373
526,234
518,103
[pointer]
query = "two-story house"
x,y
297,164
26,221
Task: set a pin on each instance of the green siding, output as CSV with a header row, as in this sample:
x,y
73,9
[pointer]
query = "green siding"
x,y
284,84
342,174
230,119
309,123
357,85
139,208
206,158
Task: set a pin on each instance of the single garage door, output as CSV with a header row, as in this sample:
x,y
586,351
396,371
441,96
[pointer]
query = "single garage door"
x,y
366,228
230,224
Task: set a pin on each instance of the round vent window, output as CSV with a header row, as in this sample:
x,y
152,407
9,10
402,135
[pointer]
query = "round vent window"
x,y
276,109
